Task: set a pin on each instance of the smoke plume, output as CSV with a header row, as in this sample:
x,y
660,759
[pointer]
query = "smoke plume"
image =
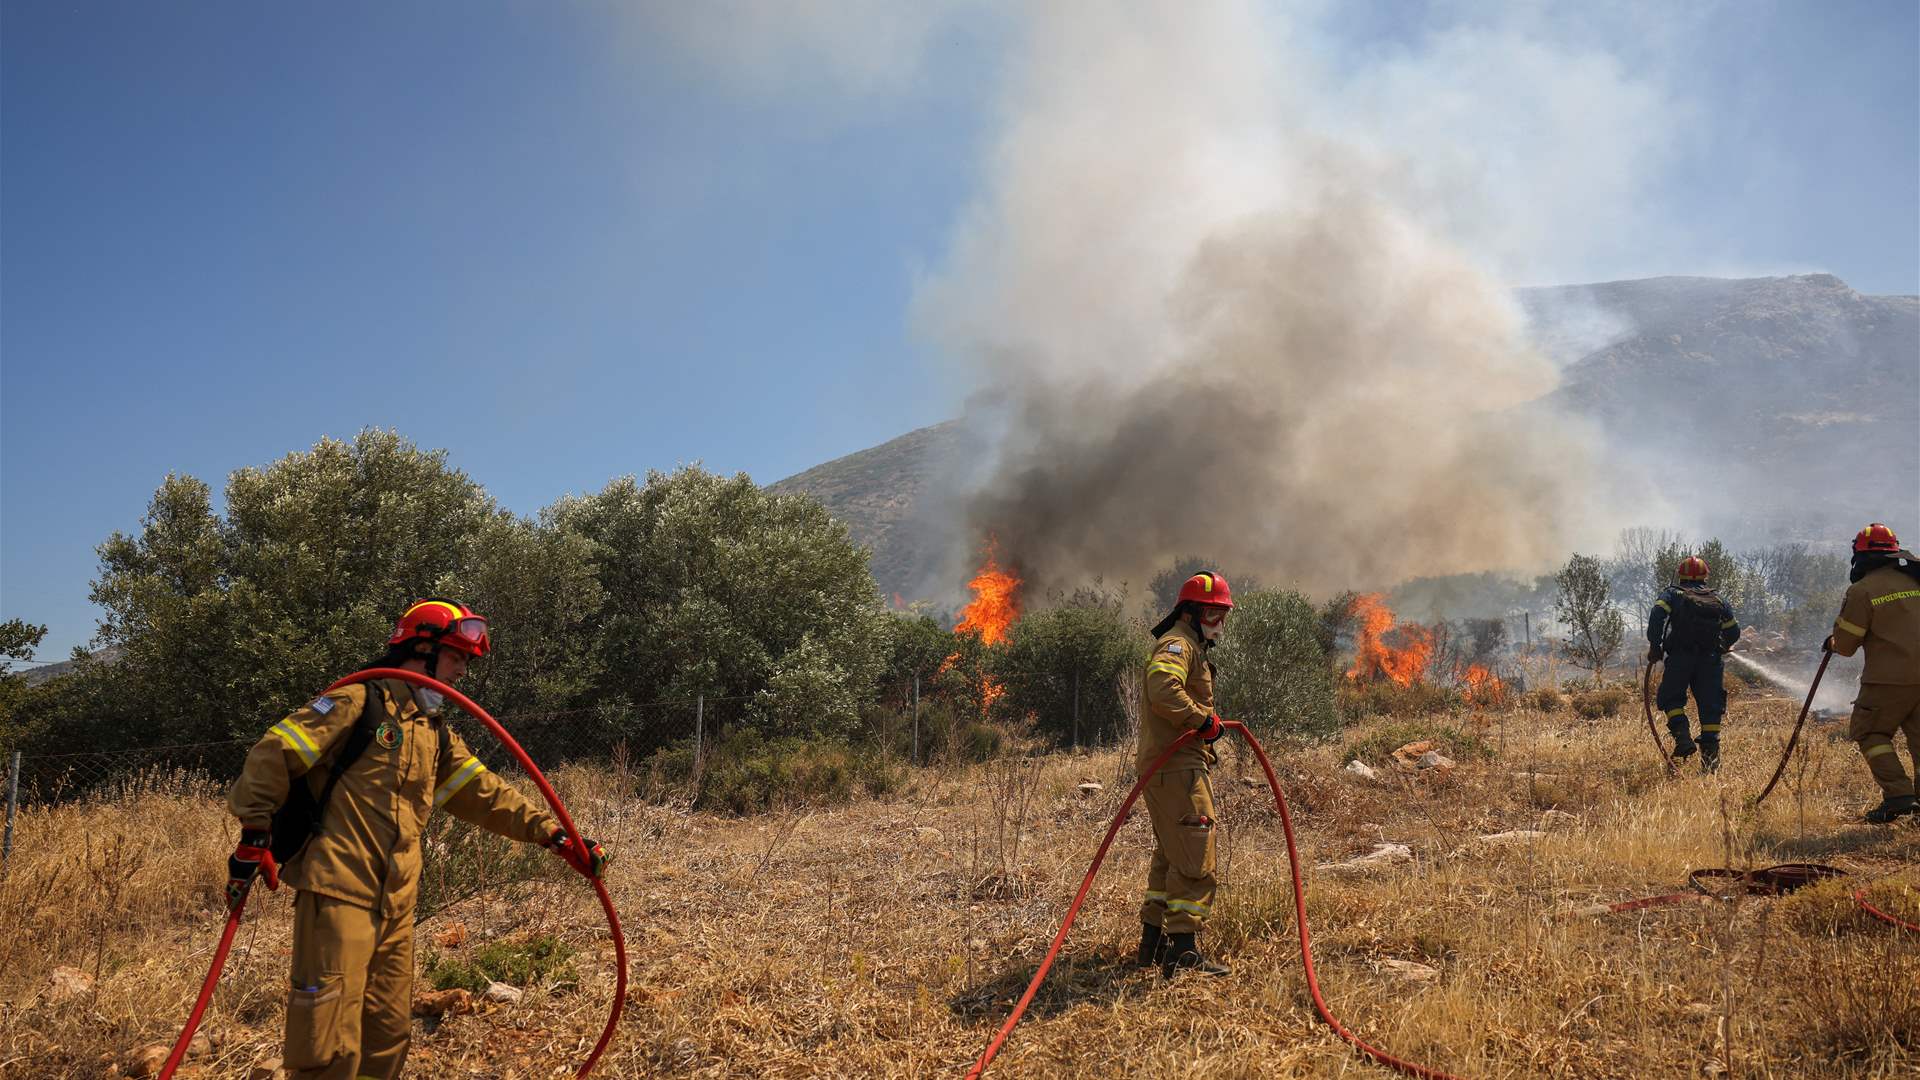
x,y
1212,311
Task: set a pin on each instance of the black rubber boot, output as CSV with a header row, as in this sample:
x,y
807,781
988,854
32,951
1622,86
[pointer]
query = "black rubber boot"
x,y
1891,807
1682,740
1150,943
1182,954
1709,757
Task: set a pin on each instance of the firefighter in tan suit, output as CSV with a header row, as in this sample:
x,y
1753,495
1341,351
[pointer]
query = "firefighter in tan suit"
x,y
349,1012
1882,612
1177,697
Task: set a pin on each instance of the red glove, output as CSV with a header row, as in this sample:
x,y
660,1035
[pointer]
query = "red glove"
x,y
253,855
592,864
1211,730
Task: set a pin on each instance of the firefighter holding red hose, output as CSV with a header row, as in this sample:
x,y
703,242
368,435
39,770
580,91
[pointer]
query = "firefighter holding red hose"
x,y
1177,696
1881,613
367,765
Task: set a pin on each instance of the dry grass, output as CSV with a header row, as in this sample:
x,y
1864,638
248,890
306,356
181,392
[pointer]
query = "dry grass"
x,y
888,938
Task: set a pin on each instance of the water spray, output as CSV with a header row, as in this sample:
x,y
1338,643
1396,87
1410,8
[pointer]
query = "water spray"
x,y
1825,656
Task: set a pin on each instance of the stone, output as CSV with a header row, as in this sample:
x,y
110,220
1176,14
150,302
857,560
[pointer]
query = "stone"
x,y
1091,788
67,983
1407,970
503,993
1362,770
146,1061
1434,759
1383,854
443,1003
1512,836
269,1069
452,937
1558,819
1409,754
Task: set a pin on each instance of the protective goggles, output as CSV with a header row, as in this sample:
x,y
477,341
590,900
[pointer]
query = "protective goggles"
x,y
471,632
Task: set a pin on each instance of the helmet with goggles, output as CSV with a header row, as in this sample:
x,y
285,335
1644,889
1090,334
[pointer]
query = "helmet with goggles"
x,y
439,621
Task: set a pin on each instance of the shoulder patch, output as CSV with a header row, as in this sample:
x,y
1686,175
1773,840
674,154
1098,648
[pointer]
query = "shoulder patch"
x,y
1176,648
322,705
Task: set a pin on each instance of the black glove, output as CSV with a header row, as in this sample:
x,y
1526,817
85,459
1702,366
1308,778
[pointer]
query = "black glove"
x,y
1211,730
593,864
1827,645
1654,653
252,855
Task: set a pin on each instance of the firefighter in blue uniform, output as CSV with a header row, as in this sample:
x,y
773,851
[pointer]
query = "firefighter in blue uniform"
x,y
1692,628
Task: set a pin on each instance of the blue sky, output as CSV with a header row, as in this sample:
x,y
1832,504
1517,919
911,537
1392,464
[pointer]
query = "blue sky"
x,y
568,242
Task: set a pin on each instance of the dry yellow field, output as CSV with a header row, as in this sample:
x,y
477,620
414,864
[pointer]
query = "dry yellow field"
x,y
888,938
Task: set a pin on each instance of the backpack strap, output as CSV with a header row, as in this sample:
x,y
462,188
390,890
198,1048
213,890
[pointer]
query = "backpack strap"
x,y
357,742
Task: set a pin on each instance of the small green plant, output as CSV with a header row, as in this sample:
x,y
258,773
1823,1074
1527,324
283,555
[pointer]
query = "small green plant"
x,y
531,961
748,774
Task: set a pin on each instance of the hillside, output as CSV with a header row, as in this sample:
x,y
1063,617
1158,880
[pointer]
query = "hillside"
x,y
1768,406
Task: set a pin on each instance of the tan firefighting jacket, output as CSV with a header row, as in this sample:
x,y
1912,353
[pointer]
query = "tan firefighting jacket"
x,y
1882,610
1176,695
368,849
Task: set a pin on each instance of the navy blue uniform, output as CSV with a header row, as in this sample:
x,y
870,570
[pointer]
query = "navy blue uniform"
x,y
1694,627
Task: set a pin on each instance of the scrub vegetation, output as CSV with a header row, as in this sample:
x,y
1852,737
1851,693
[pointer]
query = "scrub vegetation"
x,y
888,936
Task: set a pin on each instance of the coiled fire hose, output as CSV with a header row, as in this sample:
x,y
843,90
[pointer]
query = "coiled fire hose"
x,y
1769,881
1299,905
553,801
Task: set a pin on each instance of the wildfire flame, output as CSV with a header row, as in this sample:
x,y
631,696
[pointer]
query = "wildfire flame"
x,y
1374,657
995,604
1483,686
990,614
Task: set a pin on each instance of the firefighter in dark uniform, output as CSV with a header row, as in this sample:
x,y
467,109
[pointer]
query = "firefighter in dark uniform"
x,y
349,1010
1177,697
1881,613
1692,628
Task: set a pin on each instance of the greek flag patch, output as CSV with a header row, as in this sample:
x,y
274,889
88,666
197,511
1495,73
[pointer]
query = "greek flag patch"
x,y
322,705
1175,648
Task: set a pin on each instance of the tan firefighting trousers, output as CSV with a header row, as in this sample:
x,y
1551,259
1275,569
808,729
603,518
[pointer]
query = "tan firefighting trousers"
x,y
350,1011
1881,710
1180,882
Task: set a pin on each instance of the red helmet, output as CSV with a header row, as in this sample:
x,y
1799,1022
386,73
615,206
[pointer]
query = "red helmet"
x,y
1693,568
1207,587
1876,537
439,621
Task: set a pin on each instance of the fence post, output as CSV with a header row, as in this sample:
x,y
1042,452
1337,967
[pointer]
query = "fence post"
x,y
699,732
13,800
1076,710
916,718
1526,624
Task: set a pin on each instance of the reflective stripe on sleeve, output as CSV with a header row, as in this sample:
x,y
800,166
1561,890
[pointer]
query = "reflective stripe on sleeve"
x,y
1169,667
296,740
1728,625
461,777
1879,748
1856,631
1663,606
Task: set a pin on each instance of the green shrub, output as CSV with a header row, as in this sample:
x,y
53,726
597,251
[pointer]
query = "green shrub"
x,y
535,960
1274,673
746,773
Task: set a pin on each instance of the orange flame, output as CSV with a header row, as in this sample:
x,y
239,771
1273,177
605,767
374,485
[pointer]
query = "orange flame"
x,y
1374,657
995,604
1483,686
990,614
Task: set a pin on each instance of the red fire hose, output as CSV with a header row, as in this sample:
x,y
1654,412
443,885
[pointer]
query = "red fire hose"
x,y
272,874
578,845
1770,881
1646,706
1300,918
1826,655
